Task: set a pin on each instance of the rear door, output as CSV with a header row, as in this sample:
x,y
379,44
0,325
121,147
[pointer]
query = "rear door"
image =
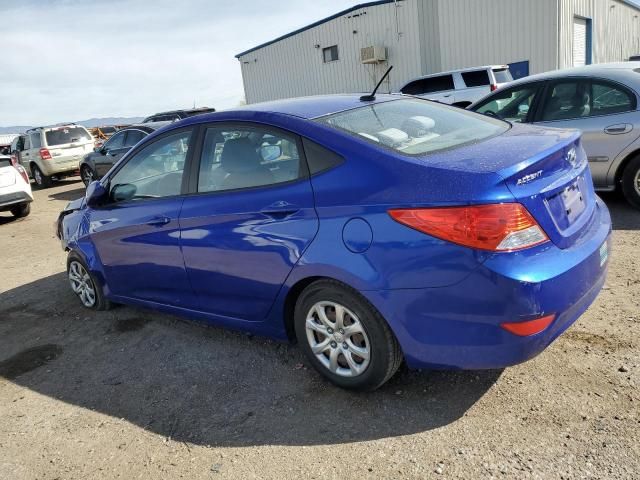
x,y
604,111
475,85
250,221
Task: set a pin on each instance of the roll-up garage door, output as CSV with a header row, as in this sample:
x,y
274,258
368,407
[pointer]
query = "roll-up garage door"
x,y
579,42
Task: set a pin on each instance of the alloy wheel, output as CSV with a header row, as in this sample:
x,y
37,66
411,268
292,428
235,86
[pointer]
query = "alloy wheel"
x,y
636,182
82,284
337,338
37,176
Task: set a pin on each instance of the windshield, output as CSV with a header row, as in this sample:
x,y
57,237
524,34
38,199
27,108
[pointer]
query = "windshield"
x,y
64,135
416,127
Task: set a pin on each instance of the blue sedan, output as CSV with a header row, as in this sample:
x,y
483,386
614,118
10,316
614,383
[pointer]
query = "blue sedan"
x,y
371,230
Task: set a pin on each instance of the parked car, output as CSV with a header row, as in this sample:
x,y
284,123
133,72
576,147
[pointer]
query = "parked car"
x,y
600,100
5,143
95,164
459,87
15,189
634,58
370,231
49,153
175,115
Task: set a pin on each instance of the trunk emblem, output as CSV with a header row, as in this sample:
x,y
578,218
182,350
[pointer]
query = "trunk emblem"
x,y
529,178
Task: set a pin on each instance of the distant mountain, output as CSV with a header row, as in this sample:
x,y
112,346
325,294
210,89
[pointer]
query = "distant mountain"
x,y
91,122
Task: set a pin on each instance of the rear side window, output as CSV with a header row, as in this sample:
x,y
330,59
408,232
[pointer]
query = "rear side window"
x,y
66,135
429,85
609,99
36,141
5,162
416,127
477,78
503,75
319,158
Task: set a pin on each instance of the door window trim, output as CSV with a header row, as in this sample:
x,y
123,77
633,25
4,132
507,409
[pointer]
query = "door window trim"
x,y
552,82
106,180
192,188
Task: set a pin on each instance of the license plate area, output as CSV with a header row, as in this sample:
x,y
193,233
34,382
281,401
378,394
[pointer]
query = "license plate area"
x,y
573,201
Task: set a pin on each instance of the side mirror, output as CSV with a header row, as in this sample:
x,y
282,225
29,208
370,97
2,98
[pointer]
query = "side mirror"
x,y
123,192
270,153
96,194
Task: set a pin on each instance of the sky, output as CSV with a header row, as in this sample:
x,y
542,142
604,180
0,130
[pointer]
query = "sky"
x,y
67,60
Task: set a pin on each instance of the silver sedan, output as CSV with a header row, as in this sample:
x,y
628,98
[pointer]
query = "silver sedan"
x,y
600,100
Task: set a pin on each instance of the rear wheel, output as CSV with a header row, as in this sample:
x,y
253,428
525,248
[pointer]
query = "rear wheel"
x,y
87,175
42,181
344,337
631,182
84,285
21,210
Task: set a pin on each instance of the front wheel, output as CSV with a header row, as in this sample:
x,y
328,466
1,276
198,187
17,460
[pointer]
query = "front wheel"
x,y
344,337
42,180
21,211
631,182
84,285
87,175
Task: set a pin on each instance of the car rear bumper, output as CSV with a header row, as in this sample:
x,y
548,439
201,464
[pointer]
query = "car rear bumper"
x,y
458,327
60,166
11,199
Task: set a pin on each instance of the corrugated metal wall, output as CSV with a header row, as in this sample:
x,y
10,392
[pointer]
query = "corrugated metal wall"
x,y
294,66
616,30
485,32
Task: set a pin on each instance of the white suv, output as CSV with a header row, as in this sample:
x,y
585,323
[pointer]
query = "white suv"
x,y
47,152
459,87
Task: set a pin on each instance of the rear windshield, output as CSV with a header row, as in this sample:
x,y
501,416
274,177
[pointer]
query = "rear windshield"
x,y
64,135
503,75
5,162
416,127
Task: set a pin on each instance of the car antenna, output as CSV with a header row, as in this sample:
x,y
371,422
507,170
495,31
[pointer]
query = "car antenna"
x,y
372,97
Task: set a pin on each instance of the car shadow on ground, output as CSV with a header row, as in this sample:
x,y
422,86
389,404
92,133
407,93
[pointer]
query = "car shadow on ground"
x,y
69,194
623,215
206,385
7,217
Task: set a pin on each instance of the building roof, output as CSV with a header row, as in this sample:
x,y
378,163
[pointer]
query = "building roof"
x,y
315,24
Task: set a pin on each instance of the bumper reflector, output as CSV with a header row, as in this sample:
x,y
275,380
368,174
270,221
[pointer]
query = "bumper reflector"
x,y
529,327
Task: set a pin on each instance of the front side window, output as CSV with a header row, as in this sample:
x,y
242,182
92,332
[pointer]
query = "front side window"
x,y
512,105
246,157
477,78
429,85
330,54
116,142
414,126
153,172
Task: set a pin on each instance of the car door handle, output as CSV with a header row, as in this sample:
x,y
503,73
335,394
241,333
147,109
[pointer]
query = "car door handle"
x,y
280,210
158,221
618,129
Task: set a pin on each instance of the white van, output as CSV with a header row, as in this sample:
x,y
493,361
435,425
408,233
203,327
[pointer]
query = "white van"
x,y
459,87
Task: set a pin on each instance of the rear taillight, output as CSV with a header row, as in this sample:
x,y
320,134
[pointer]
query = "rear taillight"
x,y
22,172
528,327
14,160
44,154
501,227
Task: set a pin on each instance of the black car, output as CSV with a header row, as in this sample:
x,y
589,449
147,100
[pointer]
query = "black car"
x,y
94,165
175,115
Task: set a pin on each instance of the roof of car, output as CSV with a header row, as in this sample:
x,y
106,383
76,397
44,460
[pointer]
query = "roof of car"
x,y
601,69
315,106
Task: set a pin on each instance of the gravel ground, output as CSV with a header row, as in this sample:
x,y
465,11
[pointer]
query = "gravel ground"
x,y
131,393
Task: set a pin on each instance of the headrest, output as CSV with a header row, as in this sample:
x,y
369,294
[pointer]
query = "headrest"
x,y
239,156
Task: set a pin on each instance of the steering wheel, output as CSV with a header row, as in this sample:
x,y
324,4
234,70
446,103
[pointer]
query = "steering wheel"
x,y
490,113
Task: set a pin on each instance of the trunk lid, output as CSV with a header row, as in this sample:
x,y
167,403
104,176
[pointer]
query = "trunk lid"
x,y
545,169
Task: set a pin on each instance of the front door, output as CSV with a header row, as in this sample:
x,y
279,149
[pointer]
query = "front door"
x,y
251,220
604,111
137,234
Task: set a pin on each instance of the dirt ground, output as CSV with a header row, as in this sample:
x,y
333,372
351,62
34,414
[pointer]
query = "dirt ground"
x,y
131,393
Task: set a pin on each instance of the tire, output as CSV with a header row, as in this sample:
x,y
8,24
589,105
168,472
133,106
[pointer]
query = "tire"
x,y
371,336
631,182
42,181
84,284
21,210
87,175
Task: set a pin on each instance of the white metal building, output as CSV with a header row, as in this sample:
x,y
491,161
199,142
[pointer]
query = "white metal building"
x,y
349,51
